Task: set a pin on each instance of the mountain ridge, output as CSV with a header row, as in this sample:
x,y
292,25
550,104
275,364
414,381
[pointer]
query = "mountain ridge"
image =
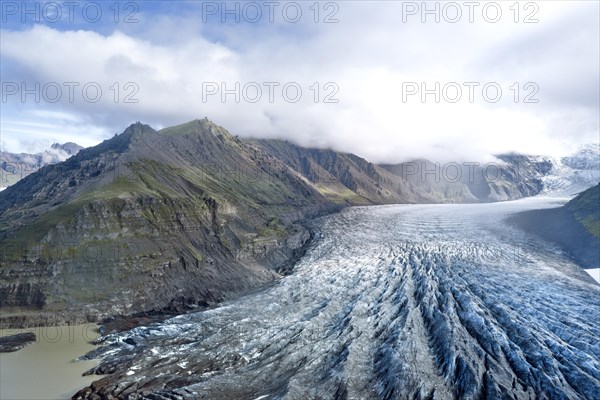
x,y
163,225
186,216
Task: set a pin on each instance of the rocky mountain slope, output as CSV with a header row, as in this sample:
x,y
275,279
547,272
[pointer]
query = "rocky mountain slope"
x,y
148,220
14,167
190,215
575,226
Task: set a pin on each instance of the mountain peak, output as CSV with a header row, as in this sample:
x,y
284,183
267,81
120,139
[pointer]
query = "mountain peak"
x,y
202,127
69,147
206,123
139,128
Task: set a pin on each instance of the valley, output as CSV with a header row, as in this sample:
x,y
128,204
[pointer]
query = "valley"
x,y
191,215
399,301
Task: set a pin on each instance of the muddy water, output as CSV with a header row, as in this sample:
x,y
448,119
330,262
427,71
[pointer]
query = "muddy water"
x,y
47,369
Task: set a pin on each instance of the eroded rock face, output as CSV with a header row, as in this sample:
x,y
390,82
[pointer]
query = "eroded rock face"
x,y
395,302
21,295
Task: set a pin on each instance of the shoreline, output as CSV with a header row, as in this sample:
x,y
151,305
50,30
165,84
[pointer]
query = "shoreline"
x,y
79,369
50,366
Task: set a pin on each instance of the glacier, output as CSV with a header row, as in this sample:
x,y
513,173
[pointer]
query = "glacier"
x,y
389,302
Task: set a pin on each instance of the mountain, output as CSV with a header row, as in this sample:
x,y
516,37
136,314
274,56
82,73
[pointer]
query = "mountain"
x,y
344,178
511,177
339,175
14,167
574,226
575,173
189,216
148,220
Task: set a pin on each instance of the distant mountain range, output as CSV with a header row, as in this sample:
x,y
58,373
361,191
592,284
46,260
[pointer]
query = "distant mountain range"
x,y
573,174
190,215
478,182
16,166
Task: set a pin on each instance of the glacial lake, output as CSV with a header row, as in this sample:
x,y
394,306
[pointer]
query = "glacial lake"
x,y
47,368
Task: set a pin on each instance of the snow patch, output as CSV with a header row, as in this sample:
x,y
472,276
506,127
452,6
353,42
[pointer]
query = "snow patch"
x,y
594,273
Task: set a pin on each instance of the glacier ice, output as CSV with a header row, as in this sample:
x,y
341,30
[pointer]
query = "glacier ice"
x,y
390,302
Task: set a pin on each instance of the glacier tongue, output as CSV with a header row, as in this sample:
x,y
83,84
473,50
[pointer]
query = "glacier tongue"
x,y
391,302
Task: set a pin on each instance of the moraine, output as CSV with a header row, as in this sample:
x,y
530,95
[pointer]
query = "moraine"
x,y
390,302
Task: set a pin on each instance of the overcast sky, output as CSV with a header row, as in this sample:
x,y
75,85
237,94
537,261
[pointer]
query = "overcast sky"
x,y
369,60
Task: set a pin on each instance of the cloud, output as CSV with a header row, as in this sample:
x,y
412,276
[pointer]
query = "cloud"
x,y
367,59
36,130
